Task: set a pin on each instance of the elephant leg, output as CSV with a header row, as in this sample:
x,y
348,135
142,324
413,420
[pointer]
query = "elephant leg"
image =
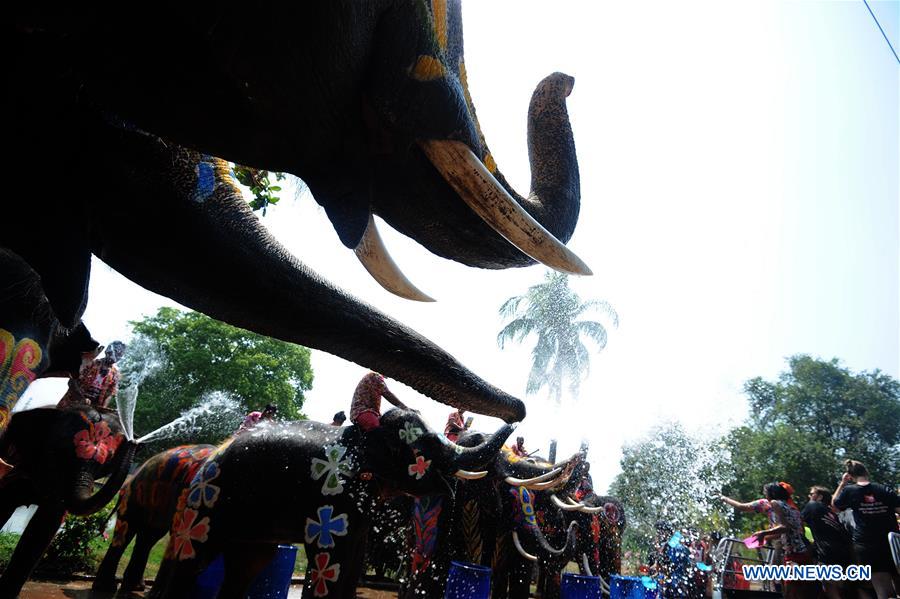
x,y
133,579
31,547
243,563
105,581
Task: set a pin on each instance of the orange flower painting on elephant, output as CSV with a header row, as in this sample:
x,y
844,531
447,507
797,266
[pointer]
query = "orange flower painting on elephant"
x,y
97,442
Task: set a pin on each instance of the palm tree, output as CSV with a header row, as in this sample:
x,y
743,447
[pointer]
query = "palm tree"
x,y
554,312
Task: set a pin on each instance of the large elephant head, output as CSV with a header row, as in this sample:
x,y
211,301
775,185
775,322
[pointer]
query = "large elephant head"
x,y
368,104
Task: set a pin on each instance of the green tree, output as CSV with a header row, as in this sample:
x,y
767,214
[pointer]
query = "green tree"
x,y
554,312
805,424
673,476
192,355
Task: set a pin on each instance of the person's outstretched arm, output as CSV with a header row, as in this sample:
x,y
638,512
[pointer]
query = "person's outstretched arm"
x,y
744,507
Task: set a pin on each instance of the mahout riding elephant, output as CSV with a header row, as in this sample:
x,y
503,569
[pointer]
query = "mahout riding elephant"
x,y
306,482
486,521
145,510
57,455
366,102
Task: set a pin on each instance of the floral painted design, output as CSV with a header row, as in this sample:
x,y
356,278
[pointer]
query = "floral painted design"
x,y
332,468
595,528
323,530
419,468
19,361
410,433
185,531
202,491
322,574
525,501
96,442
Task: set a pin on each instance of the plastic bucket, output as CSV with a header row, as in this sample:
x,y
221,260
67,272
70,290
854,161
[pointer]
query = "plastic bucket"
x,y
468,581
209,581
630,587
575,586
275,581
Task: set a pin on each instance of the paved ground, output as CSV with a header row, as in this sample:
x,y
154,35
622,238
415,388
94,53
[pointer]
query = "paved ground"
x,y
82,590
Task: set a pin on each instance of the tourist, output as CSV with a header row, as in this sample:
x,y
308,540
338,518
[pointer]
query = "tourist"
x,y
787,526
519,447
339,419
365,409
873,508
98,381
455,425
254,418
831,539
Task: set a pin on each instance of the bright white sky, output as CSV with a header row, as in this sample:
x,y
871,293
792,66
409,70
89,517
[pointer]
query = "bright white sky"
x,y
739,170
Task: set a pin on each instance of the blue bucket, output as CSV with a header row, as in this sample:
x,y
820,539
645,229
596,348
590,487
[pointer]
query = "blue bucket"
x,y
468,581
630,587
209,581
575,586
275,581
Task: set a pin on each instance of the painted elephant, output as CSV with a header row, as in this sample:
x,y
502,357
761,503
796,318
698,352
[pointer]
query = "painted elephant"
x,y
366,102
36,345
306,482
146,507
489,521
57,455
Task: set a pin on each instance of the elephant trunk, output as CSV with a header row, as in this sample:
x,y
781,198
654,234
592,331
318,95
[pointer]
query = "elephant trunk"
x,y
82,501
471,458
190,236
536,226
545,549
555,198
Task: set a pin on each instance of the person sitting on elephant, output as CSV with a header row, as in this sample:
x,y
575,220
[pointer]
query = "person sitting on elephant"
x,y
455,425
365,409
253,418
339,419
98,381
519,448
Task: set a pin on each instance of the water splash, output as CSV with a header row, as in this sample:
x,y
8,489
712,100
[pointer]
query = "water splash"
x,y
217,411
151,360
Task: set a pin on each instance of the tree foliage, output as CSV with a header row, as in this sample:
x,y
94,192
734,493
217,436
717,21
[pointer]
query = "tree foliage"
x,y
192,355
263,190
805,424
673,476
554,312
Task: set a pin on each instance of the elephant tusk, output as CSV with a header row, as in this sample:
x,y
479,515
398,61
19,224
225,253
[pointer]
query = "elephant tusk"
x,y
520,549
546,485
591,510
488,199
468,475
524,482
561,504
584,562
573,502
374,256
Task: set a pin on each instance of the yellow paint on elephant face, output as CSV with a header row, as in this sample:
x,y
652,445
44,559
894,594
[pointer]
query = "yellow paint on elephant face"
x,y
487,159
439,11
427,68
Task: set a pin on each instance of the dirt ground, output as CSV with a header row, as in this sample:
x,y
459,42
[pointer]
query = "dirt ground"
x,y
82,590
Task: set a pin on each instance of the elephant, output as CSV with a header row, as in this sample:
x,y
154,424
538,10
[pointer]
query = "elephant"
x,y
36,346
57,454
145,510
487,521
367,102
306,482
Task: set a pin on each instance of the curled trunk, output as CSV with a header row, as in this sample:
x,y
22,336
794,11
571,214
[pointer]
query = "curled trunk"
x,y
83,501
471,458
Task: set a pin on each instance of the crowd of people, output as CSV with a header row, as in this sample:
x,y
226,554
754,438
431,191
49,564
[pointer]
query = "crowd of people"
x,y
870,511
